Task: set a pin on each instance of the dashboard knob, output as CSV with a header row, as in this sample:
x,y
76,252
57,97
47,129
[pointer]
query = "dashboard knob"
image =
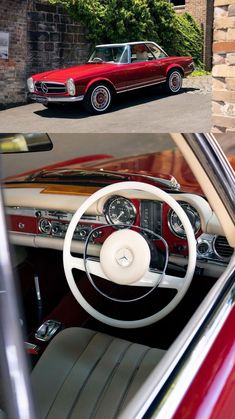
x,y
55,229
203,248
97,234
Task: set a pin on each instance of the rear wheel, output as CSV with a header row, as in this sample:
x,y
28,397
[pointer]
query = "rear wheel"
x,y
174,81
98,98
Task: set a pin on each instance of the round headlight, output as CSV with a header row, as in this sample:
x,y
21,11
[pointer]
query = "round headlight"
x,y
71,87
30,84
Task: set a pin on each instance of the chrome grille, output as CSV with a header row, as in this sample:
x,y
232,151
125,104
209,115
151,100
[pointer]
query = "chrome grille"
x,y
222,247
50,87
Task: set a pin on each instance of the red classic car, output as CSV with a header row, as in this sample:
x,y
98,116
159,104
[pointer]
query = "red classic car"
x,y
138,319
111,69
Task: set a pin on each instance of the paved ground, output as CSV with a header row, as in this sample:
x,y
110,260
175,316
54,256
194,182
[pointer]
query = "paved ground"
x,y
145,110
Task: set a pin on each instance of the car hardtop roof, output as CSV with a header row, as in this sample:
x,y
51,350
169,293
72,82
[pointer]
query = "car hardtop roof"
x,y
127,43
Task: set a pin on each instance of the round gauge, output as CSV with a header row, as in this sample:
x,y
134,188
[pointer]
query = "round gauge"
x,y
119,210
176,225
45,226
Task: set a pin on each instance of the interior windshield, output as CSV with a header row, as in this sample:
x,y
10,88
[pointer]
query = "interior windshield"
x,y
110,54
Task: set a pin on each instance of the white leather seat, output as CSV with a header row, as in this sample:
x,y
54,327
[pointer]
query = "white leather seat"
x,y
85,374
142,56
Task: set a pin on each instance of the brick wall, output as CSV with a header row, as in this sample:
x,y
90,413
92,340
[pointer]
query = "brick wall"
x,y
12,71
54,39
202,11
197,9
223,92
42,37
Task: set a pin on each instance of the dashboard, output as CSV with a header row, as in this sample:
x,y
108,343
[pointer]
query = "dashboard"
x,y
154,218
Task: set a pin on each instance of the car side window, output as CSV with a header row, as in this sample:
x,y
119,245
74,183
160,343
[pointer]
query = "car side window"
x,y
121,55
140,52
156,51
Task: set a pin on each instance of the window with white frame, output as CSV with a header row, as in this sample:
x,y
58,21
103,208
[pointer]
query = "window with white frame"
x,y
178,2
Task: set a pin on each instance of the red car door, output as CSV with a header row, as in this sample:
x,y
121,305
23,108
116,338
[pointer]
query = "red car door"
x,y
143,70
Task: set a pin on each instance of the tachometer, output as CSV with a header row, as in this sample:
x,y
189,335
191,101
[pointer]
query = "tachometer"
x,y
176,225
119,210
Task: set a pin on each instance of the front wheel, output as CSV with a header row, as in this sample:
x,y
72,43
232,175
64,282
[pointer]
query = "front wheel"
x,y
174,82
98,99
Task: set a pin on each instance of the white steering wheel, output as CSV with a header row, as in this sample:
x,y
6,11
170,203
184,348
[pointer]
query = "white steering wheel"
x,y
129,246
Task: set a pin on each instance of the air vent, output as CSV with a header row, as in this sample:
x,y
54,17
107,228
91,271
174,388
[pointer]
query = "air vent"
x,y
222,248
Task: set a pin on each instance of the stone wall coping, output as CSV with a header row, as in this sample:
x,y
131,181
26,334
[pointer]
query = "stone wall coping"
x,y
223,2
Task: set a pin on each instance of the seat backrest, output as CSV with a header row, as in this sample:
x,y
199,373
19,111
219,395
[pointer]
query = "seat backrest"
x,y
141,56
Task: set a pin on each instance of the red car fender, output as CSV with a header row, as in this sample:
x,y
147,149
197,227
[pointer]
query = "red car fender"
x,y
212,393
175,66
99,79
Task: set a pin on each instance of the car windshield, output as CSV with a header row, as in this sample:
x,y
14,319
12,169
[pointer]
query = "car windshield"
x,y
110,54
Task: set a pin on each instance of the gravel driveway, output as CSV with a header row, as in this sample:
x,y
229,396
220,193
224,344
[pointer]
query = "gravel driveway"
x,y
202,84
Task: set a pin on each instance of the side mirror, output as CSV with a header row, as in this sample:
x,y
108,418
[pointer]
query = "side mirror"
x,y
23,143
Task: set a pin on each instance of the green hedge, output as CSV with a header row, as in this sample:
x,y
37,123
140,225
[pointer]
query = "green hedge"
x,y
110,21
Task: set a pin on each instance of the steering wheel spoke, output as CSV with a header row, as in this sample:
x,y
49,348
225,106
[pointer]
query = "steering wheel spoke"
x,y
170,281
93,266
153,279
150,279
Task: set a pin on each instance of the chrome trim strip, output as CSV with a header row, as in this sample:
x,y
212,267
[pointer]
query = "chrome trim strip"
x,y
61,99
22,233
140,86
47,81
53,214
56,88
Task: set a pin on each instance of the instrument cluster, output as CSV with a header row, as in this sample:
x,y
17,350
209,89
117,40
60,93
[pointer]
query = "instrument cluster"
x,y
151,216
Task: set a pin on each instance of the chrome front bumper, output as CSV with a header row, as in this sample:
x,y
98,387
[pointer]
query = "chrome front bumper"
x,y
51,99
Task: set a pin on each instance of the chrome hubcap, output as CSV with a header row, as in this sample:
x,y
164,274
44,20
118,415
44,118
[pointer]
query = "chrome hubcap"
x,y
100,98
175,81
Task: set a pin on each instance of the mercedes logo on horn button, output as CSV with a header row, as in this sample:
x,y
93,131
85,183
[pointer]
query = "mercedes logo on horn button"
x,y
124,257
44,87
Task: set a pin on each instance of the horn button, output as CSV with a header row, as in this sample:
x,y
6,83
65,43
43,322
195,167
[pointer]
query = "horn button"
x,y
125,257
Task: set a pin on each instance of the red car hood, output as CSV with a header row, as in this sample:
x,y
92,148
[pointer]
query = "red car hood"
x,y
165,165
76,72
159,165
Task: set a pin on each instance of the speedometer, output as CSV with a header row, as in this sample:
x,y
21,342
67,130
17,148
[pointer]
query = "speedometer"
x,y
119,210
176,225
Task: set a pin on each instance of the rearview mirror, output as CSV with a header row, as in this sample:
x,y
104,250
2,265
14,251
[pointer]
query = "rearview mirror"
x,y
23,143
